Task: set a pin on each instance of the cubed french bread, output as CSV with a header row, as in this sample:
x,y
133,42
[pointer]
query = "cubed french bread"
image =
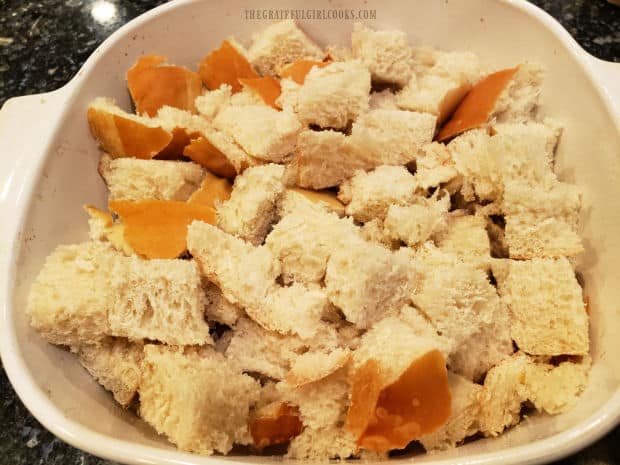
x,y
253,204
218,308
386,53
279,44
465,236
115,364
334,95
159,299
260,130
323,444
393,137
547,308
369,195
135,179
366,281
196,398
69,300
434,166
518,102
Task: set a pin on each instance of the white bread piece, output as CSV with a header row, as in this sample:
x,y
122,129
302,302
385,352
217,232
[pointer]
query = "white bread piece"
x,y
502,395
556,389
547,133
339,52
171,118
256,350
279,44
384,100
69,300
394,345
296,309
484,349
530,236
374,231
323,444
244,273
289,95
115,364
334,95
465,236
463,420
196,399
262,131
158,299
368,195
295,199
386,53
434,166
367,281
414,224
135,179
555,200
316,365
518,102
393,137
457,299
546,303
457,65
304,239
326,158
322,403
218,308
246,97
211,102
253,204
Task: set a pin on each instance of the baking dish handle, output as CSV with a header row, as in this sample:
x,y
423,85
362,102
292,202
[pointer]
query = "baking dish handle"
x,y
26,126
608,74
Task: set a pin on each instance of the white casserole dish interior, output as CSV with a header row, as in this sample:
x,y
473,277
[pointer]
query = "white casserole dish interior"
x,y
48,170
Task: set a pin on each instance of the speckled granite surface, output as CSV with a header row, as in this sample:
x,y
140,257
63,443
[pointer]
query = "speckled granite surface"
x,y
43,44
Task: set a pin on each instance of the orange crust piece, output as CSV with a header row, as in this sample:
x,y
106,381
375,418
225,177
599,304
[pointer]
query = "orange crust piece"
x,y
203,152
226,65
390,417
476,108
298,70
212,190
123,137
278,428
153,85
158,228
267,87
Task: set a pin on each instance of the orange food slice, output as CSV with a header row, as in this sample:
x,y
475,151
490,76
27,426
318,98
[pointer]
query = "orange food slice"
x,y
297,71
328,199
267,87
278,428
476,108
158,228
124,137
152,86
390,417
225,66
175,149
212,190
203,152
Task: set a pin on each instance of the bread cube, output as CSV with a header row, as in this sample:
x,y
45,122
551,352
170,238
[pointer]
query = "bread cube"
x,y
386,54
280,44
218,308
253,204
196,398
546,302
69,300
465,236
135,179
334,95
260,130
369,195
158,299
115,364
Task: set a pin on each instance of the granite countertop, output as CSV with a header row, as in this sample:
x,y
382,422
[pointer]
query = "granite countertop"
x,y
43,44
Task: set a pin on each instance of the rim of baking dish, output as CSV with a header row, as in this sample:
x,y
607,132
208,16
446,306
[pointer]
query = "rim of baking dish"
x,y
52,418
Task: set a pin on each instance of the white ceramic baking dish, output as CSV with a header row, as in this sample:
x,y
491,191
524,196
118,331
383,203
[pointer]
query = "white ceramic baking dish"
x,y
48,171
